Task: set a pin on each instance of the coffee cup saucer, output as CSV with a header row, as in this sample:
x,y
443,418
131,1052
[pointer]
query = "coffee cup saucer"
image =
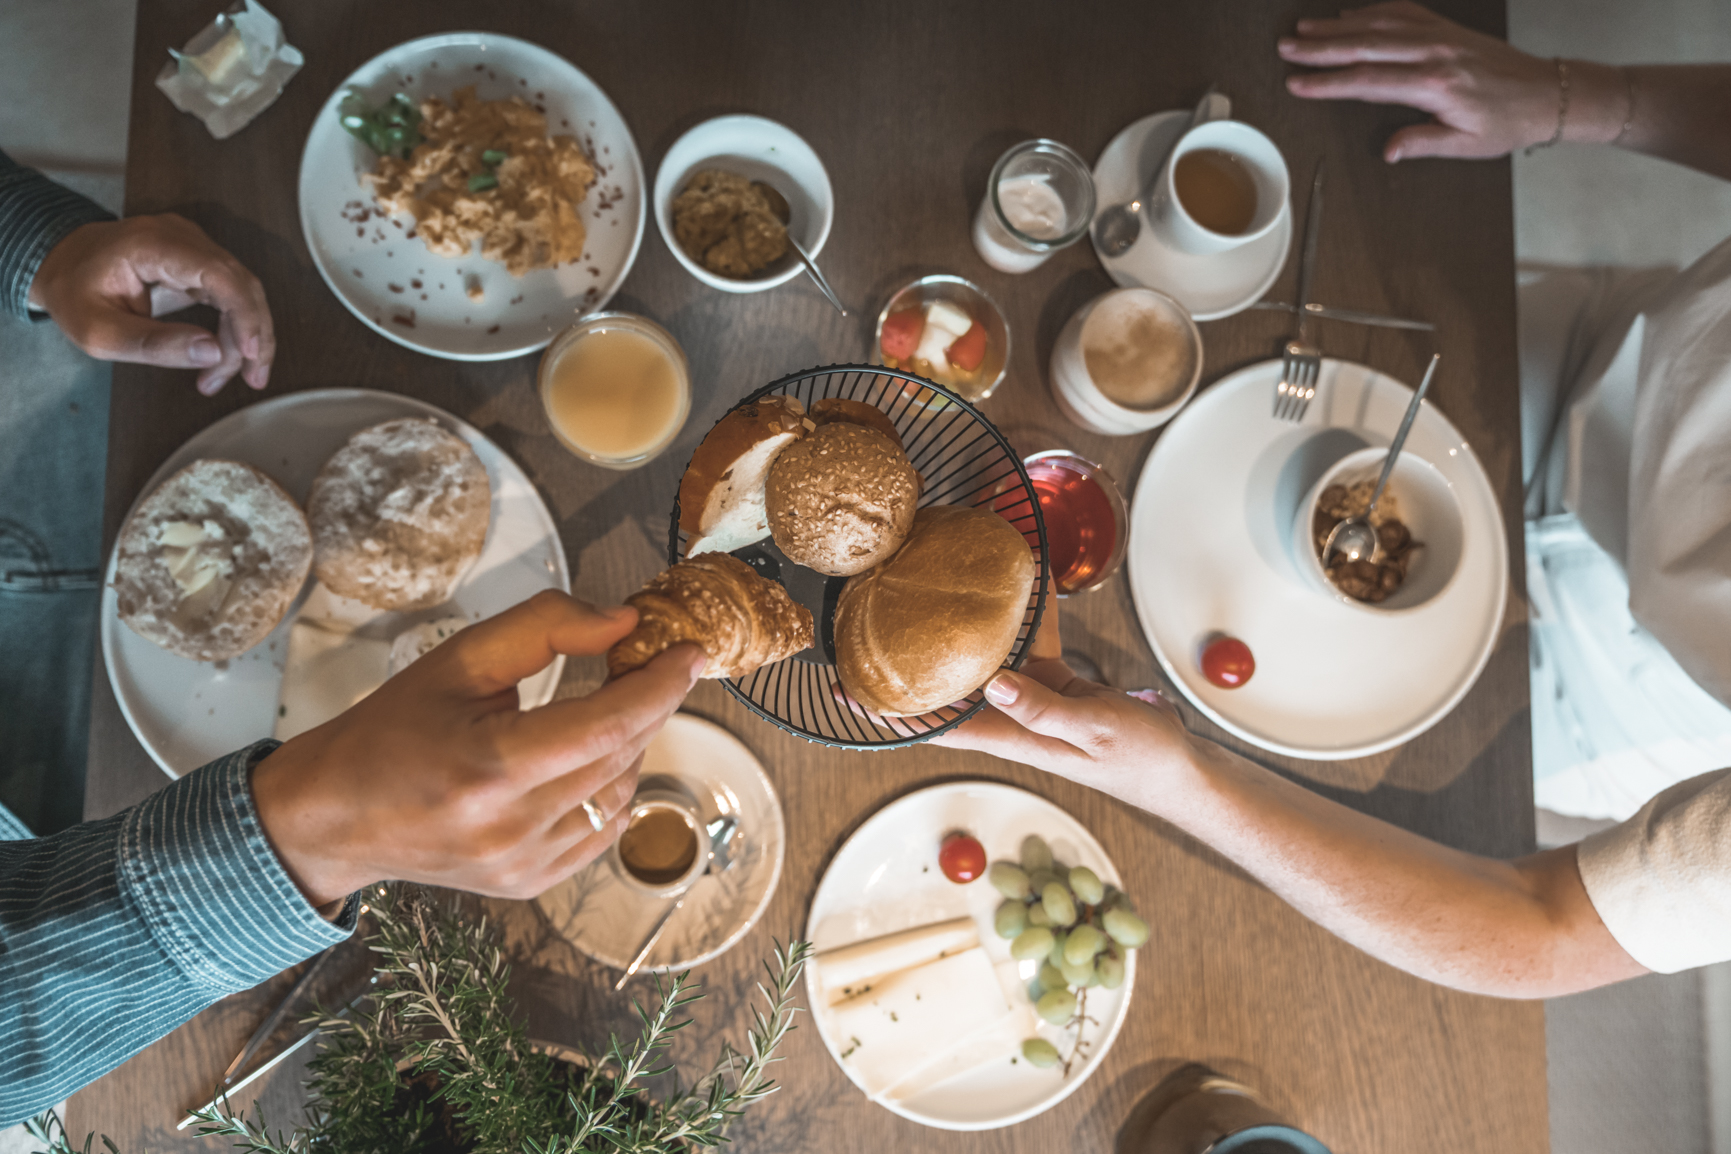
x,y
1210,285
605,917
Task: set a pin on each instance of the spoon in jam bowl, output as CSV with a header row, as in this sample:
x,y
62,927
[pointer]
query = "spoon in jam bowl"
x,y
720,831
1355,537
779,206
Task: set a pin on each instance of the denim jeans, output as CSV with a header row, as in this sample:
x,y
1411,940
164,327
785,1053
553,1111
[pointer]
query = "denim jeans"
x,y
53,448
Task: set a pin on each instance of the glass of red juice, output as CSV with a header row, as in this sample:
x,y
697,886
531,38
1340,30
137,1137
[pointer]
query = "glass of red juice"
x,y
1087,527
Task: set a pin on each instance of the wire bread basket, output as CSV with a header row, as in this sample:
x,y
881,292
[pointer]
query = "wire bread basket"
x,y
964,461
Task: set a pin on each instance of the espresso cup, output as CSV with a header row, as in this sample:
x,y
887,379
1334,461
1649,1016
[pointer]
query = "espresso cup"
x,y
1245,162
665,847
1126,362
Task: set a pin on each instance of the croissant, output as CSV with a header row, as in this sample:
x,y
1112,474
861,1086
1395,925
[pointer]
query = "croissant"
x,y
740,619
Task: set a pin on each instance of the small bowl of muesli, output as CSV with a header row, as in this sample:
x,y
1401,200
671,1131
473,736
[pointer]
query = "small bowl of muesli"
x,y
1418,528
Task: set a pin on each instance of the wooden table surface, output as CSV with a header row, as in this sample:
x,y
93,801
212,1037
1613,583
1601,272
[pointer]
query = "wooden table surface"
x,y
908,104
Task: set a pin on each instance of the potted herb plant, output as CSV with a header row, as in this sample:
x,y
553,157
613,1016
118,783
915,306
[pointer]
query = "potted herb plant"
x,y
436,1061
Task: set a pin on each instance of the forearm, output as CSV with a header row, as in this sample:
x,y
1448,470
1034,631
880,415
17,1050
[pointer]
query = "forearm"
x,y
35,215
1521,929
115,932
1677,112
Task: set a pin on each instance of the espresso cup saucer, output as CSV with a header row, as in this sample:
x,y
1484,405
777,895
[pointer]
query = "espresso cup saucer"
x,y
607,919
1210,285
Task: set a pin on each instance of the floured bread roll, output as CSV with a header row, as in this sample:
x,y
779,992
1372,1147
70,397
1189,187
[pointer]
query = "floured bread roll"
x,y
741,620
931,624
399,514
841,499
208,564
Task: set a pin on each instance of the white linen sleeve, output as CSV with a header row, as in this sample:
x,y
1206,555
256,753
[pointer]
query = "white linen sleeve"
x,y
1661,881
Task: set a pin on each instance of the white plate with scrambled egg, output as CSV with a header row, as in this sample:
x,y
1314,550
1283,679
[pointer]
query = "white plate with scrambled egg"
x,y
514,204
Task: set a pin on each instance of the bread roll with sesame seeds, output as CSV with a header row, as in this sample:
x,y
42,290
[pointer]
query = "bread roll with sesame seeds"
x,y
399,513
842,499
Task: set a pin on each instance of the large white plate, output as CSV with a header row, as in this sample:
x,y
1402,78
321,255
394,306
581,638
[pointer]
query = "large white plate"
x,y
1210,551
186,712
361,261
886,878
1211,285
605,918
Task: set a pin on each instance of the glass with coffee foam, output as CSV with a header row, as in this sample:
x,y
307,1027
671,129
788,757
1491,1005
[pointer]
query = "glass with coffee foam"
x,y
1126,362
616,389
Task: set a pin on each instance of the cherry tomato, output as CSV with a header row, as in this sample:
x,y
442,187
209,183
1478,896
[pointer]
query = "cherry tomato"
x,y
962,858
969,349
1227,662
901,335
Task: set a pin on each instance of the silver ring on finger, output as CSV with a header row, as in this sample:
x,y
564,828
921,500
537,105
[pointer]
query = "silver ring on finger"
x,y
594,814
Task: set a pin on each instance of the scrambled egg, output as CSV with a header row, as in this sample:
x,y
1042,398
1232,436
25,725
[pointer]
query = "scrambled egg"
x,y
528,219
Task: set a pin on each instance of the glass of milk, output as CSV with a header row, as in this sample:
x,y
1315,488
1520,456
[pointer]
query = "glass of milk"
x,y
1039,198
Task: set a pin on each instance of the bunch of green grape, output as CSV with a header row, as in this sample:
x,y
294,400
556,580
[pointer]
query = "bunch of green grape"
x,y
1079,928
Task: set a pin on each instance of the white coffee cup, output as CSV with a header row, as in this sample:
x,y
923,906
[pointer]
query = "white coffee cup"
x,y
1262,161
1080,396
668,800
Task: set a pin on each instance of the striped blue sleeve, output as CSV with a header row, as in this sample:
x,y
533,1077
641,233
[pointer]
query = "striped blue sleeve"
x,y
115,932
35,215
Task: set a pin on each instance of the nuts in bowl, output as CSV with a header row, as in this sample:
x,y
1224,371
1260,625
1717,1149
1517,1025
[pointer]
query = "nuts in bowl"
x,y
732,192
1418,526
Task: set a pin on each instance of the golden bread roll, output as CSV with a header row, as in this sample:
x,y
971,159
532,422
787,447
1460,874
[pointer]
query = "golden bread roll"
x,y
833,409
399,513
842,499
207,565
933,623
721,493
741,620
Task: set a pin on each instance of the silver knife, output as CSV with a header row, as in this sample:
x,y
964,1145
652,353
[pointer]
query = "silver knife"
x,y
1307,259
1352,316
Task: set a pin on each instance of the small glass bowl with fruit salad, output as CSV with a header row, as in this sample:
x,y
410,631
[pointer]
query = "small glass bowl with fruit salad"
x,y
947,330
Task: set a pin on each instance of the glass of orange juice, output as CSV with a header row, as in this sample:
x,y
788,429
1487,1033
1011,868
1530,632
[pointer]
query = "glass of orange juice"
x,y
616,388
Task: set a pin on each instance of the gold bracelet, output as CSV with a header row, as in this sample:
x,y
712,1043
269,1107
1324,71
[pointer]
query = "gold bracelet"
x,y
1629,116
1562,107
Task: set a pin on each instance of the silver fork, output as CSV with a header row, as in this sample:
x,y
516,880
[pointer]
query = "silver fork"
x,y
1297,379
1303,362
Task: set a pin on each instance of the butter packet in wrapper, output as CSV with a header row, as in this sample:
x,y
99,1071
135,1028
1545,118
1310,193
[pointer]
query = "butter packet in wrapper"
x,y
234,69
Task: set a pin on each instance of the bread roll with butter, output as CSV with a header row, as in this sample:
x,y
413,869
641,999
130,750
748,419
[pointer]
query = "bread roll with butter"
x,y
399,513
934,622
209,563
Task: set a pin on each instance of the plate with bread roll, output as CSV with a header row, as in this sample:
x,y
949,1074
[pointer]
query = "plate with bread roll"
x,y
858,550
289,558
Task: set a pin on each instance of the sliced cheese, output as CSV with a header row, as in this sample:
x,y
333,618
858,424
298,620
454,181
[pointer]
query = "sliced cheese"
x,y
848,971
911,1019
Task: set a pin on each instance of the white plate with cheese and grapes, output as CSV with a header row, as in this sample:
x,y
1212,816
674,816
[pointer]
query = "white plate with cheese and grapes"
x,y
974,956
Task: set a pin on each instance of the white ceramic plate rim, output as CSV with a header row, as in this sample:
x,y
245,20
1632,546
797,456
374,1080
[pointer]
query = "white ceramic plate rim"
x,y
727,127
190,450
1250,377
1063,825
1278,240
326,115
